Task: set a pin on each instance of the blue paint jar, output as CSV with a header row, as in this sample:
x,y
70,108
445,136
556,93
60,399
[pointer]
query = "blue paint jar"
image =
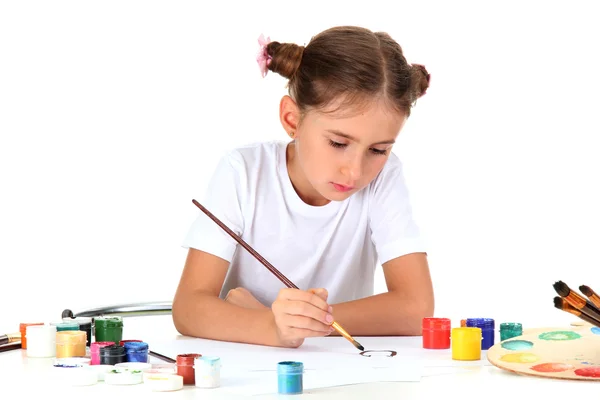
x,y
487,330
289,377
136,351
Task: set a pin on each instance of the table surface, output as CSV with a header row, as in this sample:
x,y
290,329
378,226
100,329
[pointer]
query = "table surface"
x,y
29,377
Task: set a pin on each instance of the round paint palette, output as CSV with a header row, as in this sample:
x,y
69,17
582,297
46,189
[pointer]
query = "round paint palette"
x,y
570,353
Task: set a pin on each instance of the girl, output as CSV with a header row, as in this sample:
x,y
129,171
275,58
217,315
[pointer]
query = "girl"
x,y
323,208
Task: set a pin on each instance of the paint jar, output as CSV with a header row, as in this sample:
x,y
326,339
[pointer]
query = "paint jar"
x,y
22,328
436,333
510,330
65,326
41,340
289,377
466,343
112,354
207,372
487,330
70,344
136,351
108,329
185,367
95,351
85,325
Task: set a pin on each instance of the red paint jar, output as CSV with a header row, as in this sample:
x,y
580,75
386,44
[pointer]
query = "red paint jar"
x,y
185,367
436,333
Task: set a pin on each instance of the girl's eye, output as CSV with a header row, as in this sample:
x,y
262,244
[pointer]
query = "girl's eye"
x,y
379,152
336,144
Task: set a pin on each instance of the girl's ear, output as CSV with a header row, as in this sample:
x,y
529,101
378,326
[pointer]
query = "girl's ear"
x,y
289,115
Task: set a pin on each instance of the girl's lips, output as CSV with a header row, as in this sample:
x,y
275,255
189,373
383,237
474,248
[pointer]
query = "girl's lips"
x,y
342,188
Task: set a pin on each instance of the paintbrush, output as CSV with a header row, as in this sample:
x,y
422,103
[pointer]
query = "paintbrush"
x,y
589,292
11,346
561,304
271,268
576,300
10,338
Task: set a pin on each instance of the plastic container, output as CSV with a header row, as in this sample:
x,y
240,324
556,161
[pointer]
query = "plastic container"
x,y
22,329
436,333
108,329
487,330
95,351
112,354
65,326
290,377
70,344
41,341
185,367
207,372
85,324
136,351
466,343
510,330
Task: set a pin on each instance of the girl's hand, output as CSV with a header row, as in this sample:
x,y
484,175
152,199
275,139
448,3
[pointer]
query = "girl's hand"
x,y
243,298
300,314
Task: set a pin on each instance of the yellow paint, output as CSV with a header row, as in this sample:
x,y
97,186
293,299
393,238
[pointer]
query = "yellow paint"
x,y
466,343
520,358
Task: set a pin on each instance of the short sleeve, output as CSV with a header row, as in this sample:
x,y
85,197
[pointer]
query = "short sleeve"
x,y
223,199
393,229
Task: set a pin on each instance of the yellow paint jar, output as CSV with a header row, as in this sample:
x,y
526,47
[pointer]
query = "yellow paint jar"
x,y
70,344
466,343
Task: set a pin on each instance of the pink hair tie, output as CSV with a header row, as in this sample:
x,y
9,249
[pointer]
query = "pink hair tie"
x,y
262,58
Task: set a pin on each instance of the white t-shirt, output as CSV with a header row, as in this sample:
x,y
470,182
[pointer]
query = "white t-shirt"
x,y
336,246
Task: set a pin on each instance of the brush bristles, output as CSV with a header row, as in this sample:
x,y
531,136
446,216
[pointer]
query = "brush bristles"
x,y
558,302
586,290
562,288
358,345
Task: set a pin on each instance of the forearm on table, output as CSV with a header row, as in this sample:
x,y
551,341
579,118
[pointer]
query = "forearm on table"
x,y
385,314
206,316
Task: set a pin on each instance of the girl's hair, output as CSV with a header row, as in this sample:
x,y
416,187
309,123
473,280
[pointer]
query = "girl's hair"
x,y
351,64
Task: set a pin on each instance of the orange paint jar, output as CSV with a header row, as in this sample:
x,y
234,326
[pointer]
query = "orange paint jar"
x,y
185,367
70,344
23,329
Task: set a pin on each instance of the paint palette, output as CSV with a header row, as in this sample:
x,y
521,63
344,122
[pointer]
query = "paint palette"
x,y
570,353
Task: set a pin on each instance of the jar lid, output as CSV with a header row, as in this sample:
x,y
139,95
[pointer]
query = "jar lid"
x,y
24,325
112,350
66,326
70,337
511,326
290,367
207,360
187,359
436,323
482,323
108,322
466,333
82,321
135,346
97,345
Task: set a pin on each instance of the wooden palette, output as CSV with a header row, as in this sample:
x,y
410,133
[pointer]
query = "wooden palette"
x,y
569,353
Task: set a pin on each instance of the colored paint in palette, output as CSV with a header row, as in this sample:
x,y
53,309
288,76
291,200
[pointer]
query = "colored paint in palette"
x,y
569,353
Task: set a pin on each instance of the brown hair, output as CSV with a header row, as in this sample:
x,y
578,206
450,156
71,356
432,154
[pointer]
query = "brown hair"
x,y
349,63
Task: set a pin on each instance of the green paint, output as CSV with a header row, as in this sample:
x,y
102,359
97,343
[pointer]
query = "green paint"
x,y
108,329
510,330
517,345
559,335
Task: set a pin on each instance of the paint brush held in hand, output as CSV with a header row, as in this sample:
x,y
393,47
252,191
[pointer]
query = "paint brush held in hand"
x,y
590,294
271,268
561,304
576,300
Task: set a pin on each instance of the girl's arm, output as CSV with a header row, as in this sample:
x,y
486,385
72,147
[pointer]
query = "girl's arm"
x,y
199,312
400,311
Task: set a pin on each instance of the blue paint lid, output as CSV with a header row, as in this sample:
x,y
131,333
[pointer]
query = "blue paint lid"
x,y
483,323
290,367
135,346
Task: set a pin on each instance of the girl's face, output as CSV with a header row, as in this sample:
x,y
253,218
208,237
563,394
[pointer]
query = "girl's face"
x,y
335,155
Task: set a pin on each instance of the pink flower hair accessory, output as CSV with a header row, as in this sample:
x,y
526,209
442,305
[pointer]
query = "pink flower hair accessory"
x,y
262,58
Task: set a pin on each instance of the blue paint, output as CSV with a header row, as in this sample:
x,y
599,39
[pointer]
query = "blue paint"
x,y
289,377
487,330
596,330
517,344
136,351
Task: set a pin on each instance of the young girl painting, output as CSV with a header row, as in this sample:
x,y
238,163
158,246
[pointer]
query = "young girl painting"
x,y
324,206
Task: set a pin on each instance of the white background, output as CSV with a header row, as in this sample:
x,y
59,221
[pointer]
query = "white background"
x,y
113,115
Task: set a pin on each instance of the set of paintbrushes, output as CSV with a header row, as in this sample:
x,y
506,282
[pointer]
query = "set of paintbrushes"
x,y
574,303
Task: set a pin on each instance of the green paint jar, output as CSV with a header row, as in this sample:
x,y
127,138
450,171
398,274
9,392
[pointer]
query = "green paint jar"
x,y
108,329
510,330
